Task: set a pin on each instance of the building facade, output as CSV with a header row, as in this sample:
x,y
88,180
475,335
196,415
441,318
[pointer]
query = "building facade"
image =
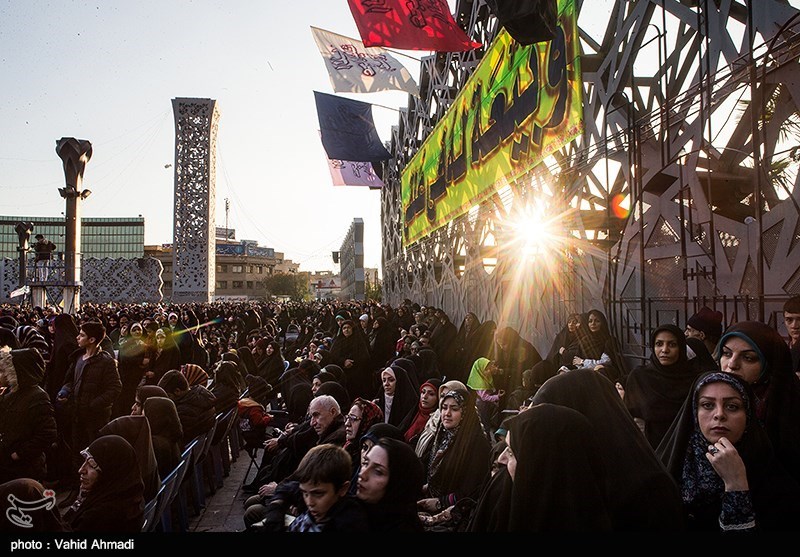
x,y
115,237
324,285
351,262
240,269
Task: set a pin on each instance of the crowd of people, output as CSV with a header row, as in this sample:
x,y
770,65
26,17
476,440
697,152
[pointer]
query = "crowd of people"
x,y
376,418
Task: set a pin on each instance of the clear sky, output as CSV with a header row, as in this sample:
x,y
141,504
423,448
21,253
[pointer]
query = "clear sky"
x,y
106,71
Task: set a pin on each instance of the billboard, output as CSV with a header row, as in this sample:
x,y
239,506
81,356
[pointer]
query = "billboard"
x,y
521,104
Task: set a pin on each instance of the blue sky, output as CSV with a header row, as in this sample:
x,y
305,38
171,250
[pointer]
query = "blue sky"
x,y
107,71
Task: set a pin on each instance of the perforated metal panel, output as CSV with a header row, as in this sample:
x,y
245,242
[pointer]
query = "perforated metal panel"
x,y
128,281
196,123
671,104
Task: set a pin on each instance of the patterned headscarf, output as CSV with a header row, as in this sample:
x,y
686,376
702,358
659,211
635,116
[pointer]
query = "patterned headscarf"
x,y
371,414
195,375
701,484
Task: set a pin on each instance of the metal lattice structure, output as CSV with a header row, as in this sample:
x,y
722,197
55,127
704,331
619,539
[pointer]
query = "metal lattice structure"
x,y
128,281
196,124
683,99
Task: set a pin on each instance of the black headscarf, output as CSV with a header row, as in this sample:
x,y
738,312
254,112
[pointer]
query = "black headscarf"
x,y
555,491
167,432
34,512
162,415
115,502
428,367
397,510
136,431
777,391
337,391
297,402
146,391
641,494
379,430
337,371
655,392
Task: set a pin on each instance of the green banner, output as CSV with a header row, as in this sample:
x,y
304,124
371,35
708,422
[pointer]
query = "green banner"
x,y
521,104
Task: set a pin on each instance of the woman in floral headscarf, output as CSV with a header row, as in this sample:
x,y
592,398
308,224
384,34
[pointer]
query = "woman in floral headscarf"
x,y
722,459
457,460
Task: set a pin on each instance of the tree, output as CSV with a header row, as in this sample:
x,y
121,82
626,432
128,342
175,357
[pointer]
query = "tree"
x,y
373,289
295,286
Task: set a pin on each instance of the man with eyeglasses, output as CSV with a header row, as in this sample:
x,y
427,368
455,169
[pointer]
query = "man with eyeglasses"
x,y
327,422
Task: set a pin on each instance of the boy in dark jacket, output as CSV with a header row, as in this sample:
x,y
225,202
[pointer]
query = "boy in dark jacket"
x,y
91,387
317,493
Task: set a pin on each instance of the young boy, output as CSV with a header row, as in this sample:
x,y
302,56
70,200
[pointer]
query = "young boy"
x,y
791,318
318,488
91,386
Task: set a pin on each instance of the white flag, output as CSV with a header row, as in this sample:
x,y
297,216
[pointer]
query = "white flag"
x,y
352,173
355,68
19,291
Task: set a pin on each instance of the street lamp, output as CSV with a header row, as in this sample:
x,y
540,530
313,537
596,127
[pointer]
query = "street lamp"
x,y
74,153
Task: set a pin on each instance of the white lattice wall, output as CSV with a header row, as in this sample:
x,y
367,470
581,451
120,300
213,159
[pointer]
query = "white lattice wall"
x,y
196,123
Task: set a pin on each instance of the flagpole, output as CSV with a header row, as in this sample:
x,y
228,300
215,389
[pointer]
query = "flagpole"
x,y
386,107
401,54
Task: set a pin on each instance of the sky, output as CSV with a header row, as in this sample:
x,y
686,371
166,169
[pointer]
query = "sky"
x,y
106,71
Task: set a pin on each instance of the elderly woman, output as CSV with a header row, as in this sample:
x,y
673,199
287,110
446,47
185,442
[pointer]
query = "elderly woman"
x,y
111,489
363,415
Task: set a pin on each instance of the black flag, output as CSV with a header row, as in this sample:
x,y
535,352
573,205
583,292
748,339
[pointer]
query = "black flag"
x,y
347,129
528,21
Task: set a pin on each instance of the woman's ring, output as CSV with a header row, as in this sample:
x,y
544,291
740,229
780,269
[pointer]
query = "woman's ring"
x,y
713,449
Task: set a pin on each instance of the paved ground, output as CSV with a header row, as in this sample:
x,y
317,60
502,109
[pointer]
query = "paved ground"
x,y
224,510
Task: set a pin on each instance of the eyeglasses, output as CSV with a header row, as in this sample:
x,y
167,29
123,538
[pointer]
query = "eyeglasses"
x,y
351,418
90,460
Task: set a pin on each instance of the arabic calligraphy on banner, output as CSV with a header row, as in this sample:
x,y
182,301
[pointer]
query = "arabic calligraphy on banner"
x,y
521,104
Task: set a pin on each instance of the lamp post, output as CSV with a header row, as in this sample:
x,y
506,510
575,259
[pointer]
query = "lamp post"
x,y
74,153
